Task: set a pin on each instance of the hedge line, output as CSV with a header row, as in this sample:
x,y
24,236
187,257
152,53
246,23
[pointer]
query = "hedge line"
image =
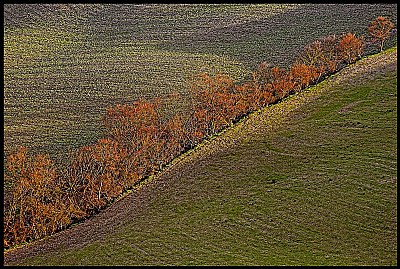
x,y
140,141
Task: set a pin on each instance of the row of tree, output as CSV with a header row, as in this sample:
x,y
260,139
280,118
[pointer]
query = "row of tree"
x,y
140,140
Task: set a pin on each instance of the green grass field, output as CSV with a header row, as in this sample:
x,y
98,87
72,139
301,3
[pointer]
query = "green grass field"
x,y
311,180
64,64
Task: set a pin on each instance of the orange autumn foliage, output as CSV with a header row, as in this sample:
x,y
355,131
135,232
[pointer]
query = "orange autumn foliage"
x,y
36,207
140,140
380,29
351,47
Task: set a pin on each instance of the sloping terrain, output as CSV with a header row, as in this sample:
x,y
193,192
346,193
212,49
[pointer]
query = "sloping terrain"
x,y
311,180
64,64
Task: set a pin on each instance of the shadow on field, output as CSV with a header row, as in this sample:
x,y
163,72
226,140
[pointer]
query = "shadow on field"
x,y
271,39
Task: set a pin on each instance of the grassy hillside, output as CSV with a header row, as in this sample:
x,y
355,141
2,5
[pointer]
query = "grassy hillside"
x,y
309,181
64,64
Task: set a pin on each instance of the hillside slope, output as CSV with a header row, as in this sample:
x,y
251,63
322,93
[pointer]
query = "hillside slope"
x,y
311,180
65,64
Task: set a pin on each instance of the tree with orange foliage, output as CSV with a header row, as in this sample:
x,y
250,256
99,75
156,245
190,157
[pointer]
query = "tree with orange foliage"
x,y
246,100
330,55
351,47
273,82
97,174
176,134
132,125
313,55
321,55
282,83
36,206
302,75
380,30
213,99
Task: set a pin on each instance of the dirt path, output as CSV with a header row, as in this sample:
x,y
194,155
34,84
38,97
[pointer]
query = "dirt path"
x,y
133,204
